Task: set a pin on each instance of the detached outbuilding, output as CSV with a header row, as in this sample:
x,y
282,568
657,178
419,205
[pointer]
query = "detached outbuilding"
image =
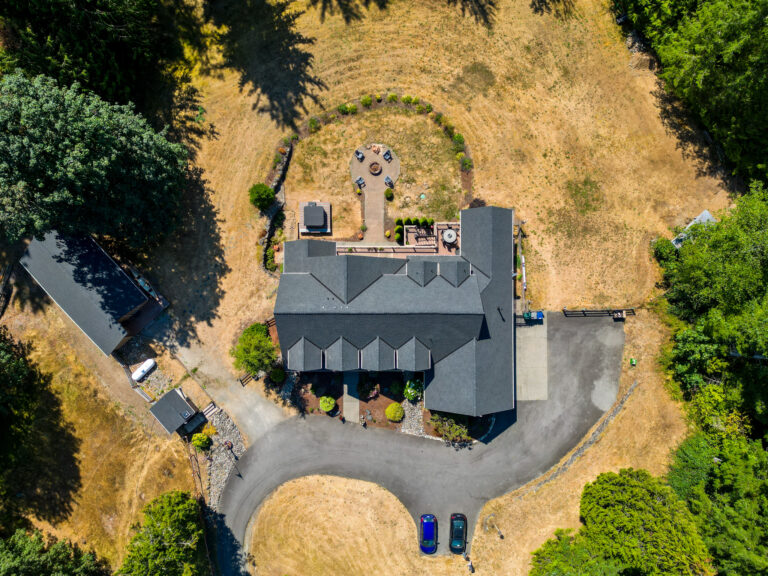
x,y
176,413
91,288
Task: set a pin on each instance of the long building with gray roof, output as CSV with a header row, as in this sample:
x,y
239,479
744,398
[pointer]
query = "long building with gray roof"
x,y
450,317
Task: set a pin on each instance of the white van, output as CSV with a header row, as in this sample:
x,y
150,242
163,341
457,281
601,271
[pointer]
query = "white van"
x,y
143,370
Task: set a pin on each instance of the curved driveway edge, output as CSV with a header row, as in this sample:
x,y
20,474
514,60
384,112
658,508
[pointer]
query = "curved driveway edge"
x,y
584,364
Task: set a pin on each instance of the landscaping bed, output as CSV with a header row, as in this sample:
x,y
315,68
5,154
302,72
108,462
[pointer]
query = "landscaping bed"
x,y
456,428
376,392
312,387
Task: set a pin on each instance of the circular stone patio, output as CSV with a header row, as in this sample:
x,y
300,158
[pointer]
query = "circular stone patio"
x,y
374,201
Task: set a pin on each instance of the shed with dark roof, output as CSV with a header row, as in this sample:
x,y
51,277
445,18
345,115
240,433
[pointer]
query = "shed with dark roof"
x,y
174,411
87,285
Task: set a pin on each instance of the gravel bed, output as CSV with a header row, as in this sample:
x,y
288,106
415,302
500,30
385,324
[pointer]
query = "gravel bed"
x,y
136,351
413,422
220,459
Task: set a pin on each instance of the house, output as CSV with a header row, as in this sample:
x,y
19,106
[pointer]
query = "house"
x,y
451,317
704,218
90,288
315,217
176,413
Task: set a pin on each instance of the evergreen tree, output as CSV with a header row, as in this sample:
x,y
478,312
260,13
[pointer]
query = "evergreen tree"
x,y
30,555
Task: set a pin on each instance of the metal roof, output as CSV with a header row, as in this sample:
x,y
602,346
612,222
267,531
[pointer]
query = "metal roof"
x,y
86,284
449,316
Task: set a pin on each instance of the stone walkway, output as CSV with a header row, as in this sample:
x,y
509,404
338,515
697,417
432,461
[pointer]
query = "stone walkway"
x,y
413,422
351,403
373,193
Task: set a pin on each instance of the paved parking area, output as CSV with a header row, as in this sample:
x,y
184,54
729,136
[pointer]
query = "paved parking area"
x,y
583,368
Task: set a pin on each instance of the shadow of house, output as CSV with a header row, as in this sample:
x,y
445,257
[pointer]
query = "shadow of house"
x,y
90,288
261,42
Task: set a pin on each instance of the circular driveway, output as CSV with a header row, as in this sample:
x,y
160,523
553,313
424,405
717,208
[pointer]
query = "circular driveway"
x,y
584,364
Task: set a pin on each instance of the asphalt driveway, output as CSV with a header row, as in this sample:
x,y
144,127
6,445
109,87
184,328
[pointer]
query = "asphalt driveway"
x,y
584,363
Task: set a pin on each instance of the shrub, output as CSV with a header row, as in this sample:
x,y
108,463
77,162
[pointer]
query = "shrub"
x,y
407,99
664,251
460,156
423,222
388,233
431,221
343,109
420,109
262,196
277,375
255,350
352,108
413,390
428,108
363,227
209,430
327,404
366,101
392,97
398,229
269,261
201,442
399,222
314,124
458,142
378,97
447,427
389,195
397,387
408,222
466,164
394,412
286,141
294,137
415,100
438,118
398,237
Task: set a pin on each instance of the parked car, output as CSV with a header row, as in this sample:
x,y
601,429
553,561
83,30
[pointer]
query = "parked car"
x,y
359,155
143,370
458,533
428,533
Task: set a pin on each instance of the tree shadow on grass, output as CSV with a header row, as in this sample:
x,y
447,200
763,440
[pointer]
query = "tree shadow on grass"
x,y
39,474
560,8
693,142
350,10
261,42
483,11
188,267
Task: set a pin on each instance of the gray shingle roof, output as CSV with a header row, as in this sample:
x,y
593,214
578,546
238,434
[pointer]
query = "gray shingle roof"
x,y
314,216
86,284
450,316
172,411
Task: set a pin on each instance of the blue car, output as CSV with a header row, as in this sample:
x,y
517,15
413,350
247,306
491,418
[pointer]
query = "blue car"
x,y
428,533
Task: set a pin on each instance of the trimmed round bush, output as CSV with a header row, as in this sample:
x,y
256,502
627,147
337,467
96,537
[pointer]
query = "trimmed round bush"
x,y
378,97
428,108
394,412
327,403
352,108
366,101
415,100
389,195
343,109
277,375
398,237
399,222
406,99
466,164
261,196
431,221
388,233
201,442
392,97
408,221
398,229
423,222
460,156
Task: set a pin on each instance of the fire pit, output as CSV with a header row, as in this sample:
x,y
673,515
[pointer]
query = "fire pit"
x,y
375,168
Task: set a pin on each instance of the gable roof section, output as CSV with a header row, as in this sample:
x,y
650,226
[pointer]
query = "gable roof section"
x,y
347,275
421,270
86,284
172,410
413,356
341,356
378,356
304,356
454,270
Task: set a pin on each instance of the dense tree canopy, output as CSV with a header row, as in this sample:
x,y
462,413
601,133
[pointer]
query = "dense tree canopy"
x,y
71,161
255,350
116,48
30,555
633,523
170,541
715,57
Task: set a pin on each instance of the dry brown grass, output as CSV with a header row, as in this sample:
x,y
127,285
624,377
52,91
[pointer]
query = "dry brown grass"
x,y
320,165
121,465
541,99
372,531
325,525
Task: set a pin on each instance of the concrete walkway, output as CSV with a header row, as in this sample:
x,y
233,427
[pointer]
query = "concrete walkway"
x,y
351,401
584,364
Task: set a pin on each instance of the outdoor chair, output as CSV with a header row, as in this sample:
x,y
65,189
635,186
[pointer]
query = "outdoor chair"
x,y
388,156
